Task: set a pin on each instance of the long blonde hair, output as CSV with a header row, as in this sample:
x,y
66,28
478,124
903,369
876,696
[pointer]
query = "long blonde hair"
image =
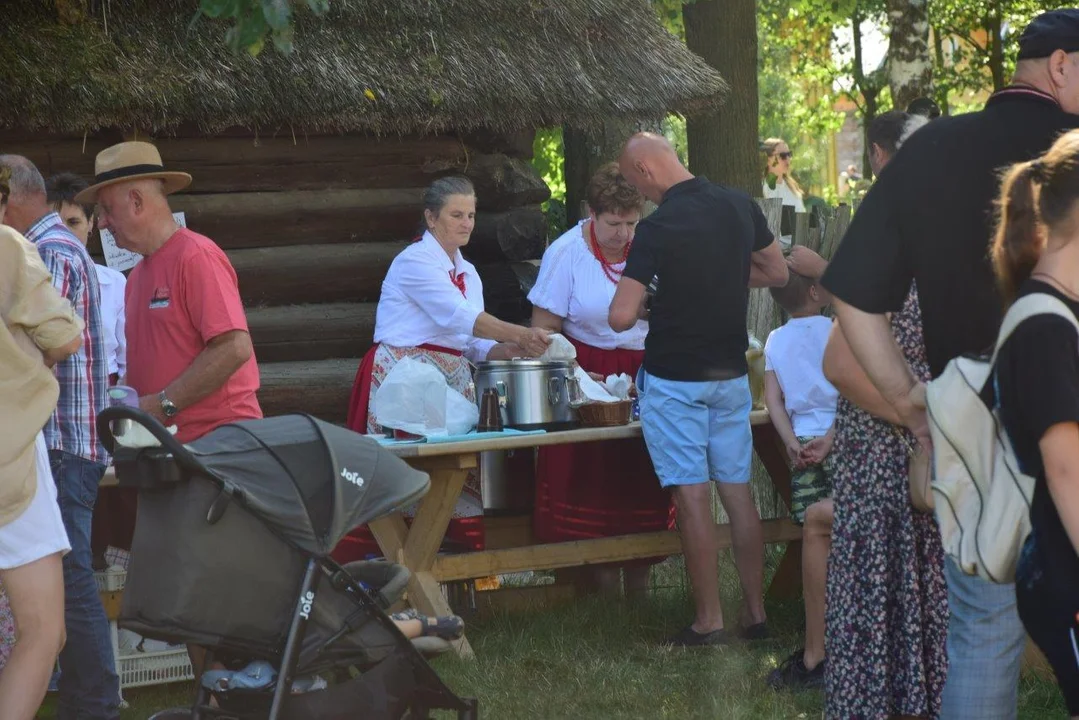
x,y
1035,196
768,147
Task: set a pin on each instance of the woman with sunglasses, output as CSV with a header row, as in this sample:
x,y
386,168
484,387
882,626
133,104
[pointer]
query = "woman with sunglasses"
x,y
778,181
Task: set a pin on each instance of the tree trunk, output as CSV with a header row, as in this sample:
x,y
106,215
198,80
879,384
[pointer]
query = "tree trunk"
x,y
995,42
938,53
724,147
585,151
910,67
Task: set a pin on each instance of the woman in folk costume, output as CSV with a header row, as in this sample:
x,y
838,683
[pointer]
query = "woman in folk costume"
x,y
39,329
591,490
431,309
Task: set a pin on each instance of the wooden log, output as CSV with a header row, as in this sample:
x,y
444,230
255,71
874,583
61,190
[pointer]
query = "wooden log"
x,y
252,164
503,182
515,144
311,332
833,233
513,235
505,289
272,219
319,388
313,273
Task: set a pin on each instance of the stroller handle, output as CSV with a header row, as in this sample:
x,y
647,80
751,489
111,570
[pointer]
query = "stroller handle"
x,y
106,417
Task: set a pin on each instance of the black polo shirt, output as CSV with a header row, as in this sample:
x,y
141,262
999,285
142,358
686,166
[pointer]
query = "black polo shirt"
x,y
697,246
929,218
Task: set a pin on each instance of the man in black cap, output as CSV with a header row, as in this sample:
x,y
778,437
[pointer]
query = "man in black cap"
x,y
928,220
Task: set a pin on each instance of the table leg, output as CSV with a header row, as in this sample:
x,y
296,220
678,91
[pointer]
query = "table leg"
x,y
417,547
787,582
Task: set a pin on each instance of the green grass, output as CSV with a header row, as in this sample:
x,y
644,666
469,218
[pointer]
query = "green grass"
x,y
599,658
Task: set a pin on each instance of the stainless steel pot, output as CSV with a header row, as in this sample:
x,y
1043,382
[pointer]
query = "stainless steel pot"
x,y
533,395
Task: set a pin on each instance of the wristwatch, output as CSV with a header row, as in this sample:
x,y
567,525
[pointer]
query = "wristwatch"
x,y
167,406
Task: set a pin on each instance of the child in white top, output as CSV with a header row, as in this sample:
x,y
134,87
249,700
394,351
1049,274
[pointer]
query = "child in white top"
x,y
801,402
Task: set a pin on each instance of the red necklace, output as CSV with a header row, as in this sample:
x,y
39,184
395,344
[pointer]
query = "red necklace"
x,y
608,267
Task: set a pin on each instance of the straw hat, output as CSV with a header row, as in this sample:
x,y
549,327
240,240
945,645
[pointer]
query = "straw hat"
x,y
130,161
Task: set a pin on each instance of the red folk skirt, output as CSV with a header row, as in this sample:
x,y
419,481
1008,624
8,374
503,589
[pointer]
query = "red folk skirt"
x,y
600,489
462,533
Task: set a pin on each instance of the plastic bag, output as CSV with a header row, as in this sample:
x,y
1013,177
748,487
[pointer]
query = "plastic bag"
x,y
415,397
619,385
559,349
412,398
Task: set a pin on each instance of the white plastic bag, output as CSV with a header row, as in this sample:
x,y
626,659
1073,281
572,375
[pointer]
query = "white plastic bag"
x,y
619,385
462,415
412,398
559,349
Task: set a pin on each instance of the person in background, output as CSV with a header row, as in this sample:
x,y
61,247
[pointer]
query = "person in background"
x,y
114,512
39,329
928,219
590,490
190,356
925,107
61,190
89,686
706,245
1036,250
431,308
778,180
802,406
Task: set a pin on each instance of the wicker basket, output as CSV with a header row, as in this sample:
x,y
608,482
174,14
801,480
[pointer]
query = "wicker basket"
x,y
600,414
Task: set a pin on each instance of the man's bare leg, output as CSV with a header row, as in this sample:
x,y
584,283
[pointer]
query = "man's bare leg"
x,y
747,538
36,594
700,548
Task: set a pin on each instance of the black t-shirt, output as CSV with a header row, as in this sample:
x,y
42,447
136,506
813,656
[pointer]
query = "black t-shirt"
x,y
929,218
697,247
1038,380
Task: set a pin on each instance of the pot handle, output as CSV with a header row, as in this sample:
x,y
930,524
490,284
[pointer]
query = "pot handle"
x,y
554,393
576,397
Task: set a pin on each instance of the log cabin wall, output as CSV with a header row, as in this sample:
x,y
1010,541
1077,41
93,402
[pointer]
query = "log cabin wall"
x,y
311,225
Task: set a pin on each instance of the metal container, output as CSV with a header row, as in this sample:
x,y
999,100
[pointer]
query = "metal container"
x,y
532,395
508,481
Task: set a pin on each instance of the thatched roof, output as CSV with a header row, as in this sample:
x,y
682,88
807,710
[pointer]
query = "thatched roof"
x,y
429,64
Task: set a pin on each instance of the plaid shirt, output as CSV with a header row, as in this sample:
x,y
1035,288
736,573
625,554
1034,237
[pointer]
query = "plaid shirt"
x,y
83,377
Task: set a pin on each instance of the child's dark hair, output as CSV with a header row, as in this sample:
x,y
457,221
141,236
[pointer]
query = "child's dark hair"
x,y
1035,196
63,187
794,296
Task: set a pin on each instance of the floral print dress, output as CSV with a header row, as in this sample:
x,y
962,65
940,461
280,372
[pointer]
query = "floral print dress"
x,y
887,602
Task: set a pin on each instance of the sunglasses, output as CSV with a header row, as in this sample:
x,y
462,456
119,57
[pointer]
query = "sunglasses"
x,y
785,155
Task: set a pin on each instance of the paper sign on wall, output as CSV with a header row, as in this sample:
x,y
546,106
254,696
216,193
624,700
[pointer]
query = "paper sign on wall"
x,y
123,260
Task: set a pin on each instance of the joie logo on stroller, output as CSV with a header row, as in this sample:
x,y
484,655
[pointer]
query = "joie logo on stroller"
x,y
306,601
352,477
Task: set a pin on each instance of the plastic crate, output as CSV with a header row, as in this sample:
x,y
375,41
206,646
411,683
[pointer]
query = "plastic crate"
x,y
138,669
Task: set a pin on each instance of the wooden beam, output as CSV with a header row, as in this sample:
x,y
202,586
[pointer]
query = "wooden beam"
x,y
516,234
320,388
503,182
311,332
587,552
238,220
313,273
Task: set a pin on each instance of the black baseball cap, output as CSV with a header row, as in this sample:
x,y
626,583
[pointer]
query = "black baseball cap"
x,y
1049,32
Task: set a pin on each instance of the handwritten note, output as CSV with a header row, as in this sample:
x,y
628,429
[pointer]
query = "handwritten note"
x,y
123,260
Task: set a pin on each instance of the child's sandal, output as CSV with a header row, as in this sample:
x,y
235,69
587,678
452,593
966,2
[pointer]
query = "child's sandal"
x,y
447,627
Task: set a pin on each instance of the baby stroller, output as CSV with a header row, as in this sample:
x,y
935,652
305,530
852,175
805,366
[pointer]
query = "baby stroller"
x,y
232,553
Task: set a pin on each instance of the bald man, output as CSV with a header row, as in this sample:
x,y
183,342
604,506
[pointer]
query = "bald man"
x,y
88,687
704,247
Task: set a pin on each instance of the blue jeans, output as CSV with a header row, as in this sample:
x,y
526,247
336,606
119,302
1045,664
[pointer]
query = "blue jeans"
x,y
985,649
89,688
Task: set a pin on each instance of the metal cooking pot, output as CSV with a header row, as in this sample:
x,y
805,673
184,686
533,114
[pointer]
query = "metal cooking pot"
x,y
532,395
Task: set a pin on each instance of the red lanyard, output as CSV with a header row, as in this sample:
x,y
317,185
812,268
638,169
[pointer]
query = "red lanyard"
x,y
608,268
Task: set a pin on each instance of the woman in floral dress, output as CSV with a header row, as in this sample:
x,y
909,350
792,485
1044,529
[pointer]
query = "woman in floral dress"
x,y
887,602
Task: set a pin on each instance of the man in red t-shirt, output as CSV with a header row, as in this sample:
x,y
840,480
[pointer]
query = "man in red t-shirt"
x,y
189,351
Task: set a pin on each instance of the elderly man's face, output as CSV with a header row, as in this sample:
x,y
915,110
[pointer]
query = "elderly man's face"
x,y
116,213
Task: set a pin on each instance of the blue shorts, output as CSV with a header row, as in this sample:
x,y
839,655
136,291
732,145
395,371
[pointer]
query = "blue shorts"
x,y
697,431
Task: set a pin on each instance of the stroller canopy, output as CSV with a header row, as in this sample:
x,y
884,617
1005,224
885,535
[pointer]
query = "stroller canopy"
x,y
310,481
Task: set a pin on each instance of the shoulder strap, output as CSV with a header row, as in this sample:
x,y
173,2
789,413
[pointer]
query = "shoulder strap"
x,y
1027,307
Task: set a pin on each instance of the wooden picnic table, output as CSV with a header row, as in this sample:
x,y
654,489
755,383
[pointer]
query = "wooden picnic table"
x,y
449,464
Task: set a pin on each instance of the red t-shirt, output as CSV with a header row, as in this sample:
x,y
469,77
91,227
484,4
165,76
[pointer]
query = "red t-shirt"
x,y
179,299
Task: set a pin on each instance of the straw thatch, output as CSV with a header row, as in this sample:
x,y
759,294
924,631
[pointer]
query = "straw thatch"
x,y
429,65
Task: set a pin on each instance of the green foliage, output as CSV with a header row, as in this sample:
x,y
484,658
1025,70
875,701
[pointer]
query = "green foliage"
x,y
548,159
253,20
